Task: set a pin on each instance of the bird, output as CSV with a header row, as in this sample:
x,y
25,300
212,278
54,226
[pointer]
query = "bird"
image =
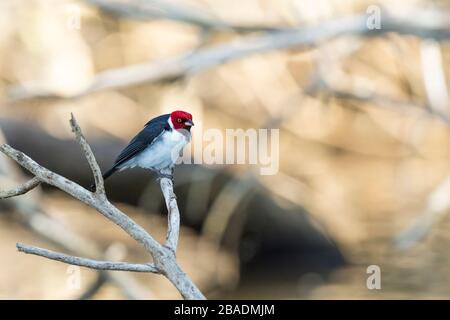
x,y
157,146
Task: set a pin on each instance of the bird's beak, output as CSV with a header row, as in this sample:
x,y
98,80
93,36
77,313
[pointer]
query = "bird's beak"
x,y
189,123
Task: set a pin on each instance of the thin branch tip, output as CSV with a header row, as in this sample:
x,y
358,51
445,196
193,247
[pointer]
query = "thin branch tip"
x,y
74,124
21,189
20,247
4,147
89,155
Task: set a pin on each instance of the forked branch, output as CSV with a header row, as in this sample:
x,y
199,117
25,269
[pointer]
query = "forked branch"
x,y
164,261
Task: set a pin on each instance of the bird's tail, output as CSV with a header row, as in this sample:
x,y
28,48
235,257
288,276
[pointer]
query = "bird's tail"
x,y
105,176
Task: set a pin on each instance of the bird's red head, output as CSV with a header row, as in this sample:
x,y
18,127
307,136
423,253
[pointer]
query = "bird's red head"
x,y
181,120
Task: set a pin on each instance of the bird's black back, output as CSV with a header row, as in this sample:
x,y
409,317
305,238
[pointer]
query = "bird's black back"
x,y
143,139
140,142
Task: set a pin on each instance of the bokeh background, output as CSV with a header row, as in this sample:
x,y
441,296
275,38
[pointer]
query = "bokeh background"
x,y
364,119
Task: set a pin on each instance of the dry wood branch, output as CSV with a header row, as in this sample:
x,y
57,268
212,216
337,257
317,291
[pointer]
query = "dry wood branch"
x,y
99,184
436,27
89,263
173,229
22,189
164,258
80,193
31,212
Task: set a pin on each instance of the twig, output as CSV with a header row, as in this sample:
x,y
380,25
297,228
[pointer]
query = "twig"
x,y
173,229
164,258
22,189
194,62
99,184
84,262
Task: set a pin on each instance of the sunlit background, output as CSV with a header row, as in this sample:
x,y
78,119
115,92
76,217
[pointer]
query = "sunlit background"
x,y
364,170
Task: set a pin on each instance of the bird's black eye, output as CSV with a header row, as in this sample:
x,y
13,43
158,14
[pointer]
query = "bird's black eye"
x,y
179,120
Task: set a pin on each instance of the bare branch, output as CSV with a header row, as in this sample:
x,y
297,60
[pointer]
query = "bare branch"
x,y
99,184
84,262
22,189
48,176
436,27
78,192
164,257
173,229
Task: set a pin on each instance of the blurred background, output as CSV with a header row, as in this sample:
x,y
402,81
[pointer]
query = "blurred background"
x,y
364,120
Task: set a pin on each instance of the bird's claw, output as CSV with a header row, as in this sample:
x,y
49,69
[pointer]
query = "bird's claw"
x,y
166,174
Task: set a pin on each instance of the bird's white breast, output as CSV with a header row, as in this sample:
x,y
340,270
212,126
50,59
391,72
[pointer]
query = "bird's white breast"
x,y
164,152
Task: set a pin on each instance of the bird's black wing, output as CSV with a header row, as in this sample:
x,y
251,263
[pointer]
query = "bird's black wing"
x,y
143,139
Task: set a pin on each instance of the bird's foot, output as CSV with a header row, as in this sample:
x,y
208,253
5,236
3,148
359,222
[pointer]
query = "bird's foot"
x,y
167,173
